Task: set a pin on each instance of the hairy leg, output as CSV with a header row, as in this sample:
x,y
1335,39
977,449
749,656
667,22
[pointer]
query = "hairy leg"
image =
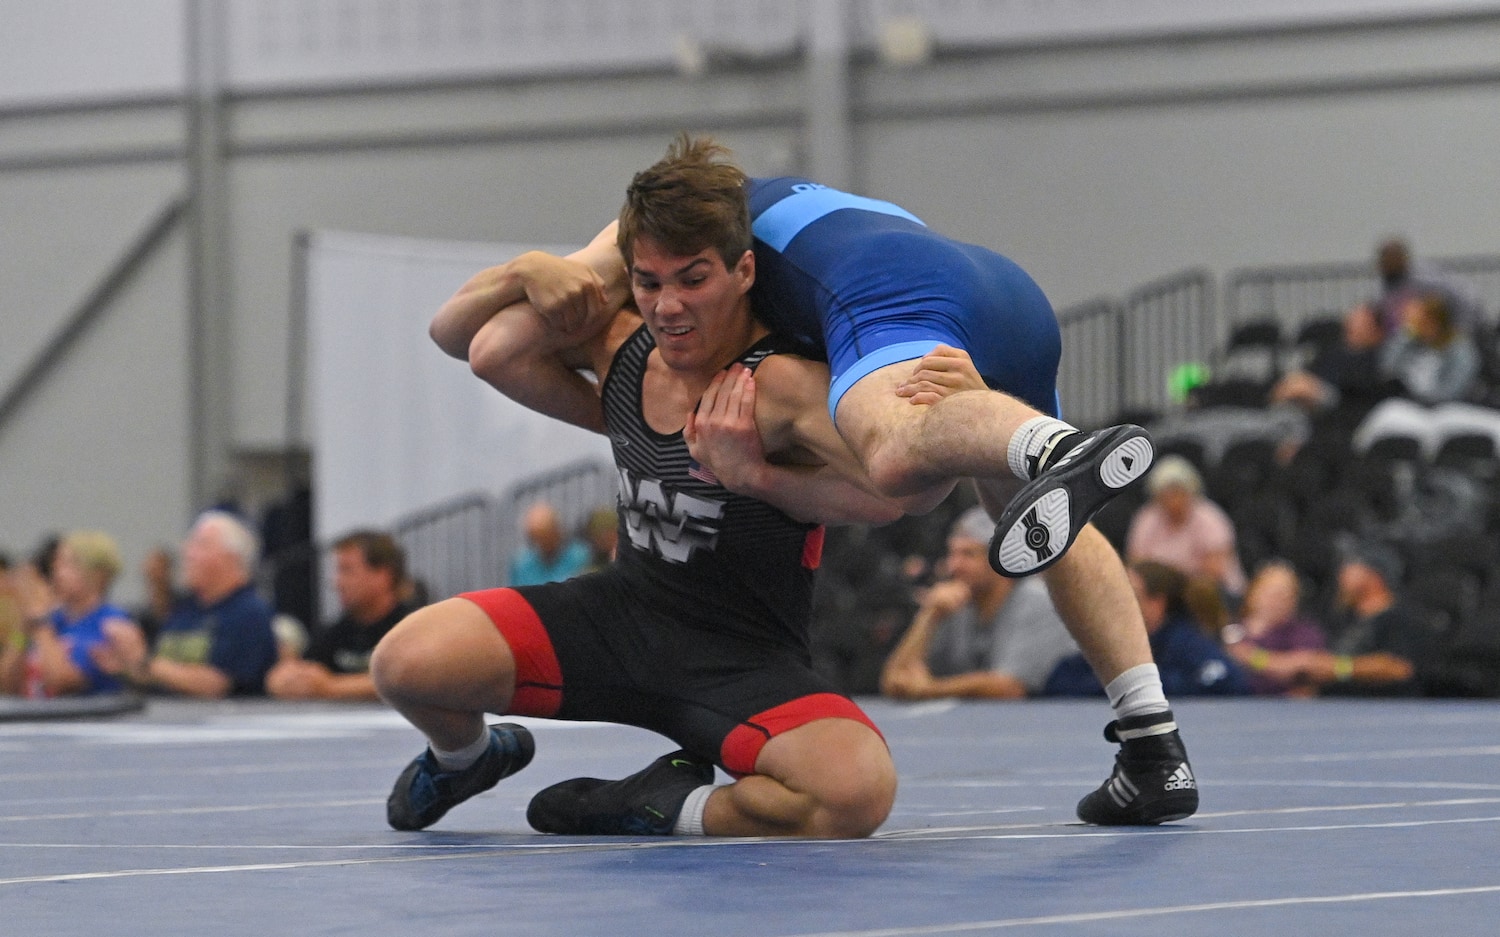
x,y
443,667
908,448
831,778
1091,593
1094,599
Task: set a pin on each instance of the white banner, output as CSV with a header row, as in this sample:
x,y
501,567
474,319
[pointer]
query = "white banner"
x,y
397,425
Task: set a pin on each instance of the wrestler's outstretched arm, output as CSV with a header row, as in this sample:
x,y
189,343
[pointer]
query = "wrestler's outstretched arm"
x,y
519,354
577,294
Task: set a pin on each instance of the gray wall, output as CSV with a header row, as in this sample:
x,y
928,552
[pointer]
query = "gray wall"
x,y
1097,164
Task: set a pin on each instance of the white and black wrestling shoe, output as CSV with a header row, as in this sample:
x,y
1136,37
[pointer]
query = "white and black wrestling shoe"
x,y
1044,518
1152,782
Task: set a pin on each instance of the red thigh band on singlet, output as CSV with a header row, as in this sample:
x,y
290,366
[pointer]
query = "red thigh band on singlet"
x,y
538,677
742,745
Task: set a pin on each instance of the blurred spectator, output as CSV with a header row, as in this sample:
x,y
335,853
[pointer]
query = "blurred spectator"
x,y
1271,629
1191,662
64,625
12,629
1431,357
158,570
1180,527
369,577
45,555
1347,375
601,531
548,555
220,641
862,601
1402,277
977,634
1383,646
290,634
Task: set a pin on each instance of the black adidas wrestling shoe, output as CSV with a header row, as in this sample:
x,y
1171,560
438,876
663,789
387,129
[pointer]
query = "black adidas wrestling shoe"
x,y
1044,518
1152,782
646,803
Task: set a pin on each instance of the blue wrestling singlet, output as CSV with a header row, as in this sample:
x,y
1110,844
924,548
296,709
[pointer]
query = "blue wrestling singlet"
x,y
864,283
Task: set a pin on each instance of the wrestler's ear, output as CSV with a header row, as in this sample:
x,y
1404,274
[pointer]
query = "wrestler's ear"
x,y
744,270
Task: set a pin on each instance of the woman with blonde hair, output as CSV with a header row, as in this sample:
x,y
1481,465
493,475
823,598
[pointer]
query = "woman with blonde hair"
x,y
64,625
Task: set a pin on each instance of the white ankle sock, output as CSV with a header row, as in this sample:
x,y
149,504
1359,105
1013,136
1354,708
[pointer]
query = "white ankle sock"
x,y
1137,692
463,757
690,820
1028,441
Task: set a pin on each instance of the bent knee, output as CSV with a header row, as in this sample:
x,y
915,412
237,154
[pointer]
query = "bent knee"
x,y
858,800
398,658
434,646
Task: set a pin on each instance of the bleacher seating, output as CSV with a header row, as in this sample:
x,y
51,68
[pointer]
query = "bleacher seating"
x,y
1425,479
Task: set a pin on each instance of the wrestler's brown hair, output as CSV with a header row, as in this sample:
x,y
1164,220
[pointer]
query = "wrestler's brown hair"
x,y
690,200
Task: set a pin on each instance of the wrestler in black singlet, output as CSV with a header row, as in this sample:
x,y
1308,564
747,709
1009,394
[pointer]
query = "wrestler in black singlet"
x,y
699,629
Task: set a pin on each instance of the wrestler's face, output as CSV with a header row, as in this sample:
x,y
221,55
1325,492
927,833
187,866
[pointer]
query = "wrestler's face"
x,y
697,310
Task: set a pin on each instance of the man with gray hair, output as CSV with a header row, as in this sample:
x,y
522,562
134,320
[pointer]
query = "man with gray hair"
x,y
977,634
219,641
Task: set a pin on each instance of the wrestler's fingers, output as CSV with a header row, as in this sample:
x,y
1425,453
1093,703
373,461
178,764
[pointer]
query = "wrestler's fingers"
x,y
713,396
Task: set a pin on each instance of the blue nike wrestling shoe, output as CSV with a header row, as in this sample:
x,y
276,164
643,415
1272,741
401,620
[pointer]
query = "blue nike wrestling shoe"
x,y
424,792
645,804
1152,782
1041,522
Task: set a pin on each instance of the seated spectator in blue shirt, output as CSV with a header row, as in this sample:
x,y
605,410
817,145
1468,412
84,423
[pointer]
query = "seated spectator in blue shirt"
x,y
64,624
1191,662
549,555
217,643
370,579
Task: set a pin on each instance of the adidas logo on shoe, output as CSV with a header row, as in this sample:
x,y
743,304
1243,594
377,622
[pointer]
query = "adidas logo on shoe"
x,y
1181,780
1152,782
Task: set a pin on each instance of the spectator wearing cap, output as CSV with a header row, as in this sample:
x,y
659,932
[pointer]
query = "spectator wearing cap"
x,y
977,634
1383,646
1180,527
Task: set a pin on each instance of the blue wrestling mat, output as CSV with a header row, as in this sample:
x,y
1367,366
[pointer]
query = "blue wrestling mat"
x,y
1332,817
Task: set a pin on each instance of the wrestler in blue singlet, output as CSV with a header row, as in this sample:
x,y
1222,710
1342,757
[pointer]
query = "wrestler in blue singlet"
x,y
865,284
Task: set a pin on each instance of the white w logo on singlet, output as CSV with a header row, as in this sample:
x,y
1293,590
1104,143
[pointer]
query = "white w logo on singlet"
x,y
670,525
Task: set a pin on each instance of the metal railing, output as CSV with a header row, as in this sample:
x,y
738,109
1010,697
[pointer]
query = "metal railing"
x,y
452,547
1117,356
1091,376
1293,294
574,490
458,545
1167,322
